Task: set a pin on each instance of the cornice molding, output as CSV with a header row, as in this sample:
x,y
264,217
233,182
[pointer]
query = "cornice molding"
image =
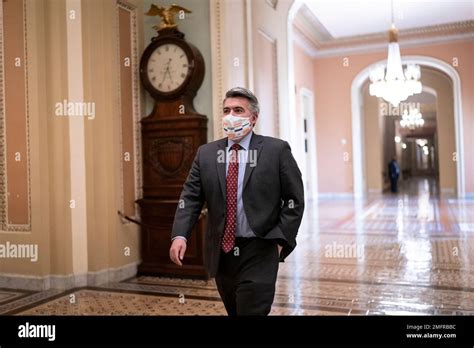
x,y
311,34
305,43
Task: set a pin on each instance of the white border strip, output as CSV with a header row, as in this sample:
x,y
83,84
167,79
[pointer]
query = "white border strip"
x,y
77,155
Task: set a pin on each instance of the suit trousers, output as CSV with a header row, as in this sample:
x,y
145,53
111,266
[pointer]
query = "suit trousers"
x,y
247,275
394,184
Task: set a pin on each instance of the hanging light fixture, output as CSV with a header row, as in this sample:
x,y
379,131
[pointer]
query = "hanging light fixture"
x,y
412,119
421,142
392,83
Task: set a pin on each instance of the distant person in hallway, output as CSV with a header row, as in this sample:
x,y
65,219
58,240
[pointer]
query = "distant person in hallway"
x,y
394,174
255,199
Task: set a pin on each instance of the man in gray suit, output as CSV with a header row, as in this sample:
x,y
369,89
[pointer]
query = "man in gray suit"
x,y
255,200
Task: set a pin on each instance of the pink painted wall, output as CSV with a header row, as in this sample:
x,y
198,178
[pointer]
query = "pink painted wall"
x,y
332,88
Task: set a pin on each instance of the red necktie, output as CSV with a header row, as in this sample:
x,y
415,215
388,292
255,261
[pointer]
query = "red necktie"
x,y
228,240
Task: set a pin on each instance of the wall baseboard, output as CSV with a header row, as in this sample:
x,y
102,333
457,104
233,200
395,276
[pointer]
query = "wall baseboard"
x,y
70,281
448,192
445,192
335,195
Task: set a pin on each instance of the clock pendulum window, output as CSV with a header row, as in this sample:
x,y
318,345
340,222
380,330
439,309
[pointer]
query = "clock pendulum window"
x,y
171,71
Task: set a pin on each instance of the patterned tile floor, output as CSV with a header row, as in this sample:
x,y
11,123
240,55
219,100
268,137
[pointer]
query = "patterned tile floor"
x,y
407,253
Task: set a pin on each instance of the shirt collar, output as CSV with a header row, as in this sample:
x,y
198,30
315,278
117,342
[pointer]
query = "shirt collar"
x,y
245,142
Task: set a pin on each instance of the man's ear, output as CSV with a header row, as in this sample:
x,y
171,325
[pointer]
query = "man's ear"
x,y
255,121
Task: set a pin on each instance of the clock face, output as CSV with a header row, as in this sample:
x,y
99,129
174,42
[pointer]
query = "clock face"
x,y
167,67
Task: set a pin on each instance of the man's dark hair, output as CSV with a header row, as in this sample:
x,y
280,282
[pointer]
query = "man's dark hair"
x,y
240,92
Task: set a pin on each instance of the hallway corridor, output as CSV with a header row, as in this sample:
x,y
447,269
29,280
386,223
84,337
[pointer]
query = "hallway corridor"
x,y
419,186
410,253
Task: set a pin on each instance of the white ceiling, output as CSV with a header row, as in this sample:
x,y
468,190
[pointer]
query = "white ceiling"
x,y
343,18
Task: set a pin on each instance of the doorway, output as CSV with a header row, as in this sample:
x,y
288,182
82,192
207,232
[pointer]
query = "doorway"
x,y
308,131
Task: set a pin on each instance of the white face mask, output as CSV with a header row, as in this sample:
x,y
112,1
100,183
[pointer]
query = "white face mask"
x,y
236,127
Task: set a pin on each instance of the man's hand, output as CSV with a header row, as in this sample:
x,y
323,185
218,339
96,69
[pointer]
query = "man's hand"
x,y
177,250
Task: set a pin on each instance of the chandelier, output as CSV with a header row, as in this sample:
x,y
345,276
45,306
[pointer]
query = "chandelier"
x,y
423,143
412,119
392,83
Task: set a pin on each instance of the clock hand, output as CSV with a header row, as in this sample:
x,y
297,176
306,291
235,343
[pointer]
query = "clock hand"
x,y
167,71
169,74
164,77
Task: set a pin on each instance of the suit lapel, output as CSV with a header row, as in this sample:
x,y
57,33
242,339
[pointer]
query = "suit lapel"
x,y
220,164
256,144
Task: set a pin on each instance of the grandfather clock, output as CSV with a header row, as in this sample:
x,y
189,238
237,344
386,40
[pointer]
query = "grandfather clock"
x,y
171,70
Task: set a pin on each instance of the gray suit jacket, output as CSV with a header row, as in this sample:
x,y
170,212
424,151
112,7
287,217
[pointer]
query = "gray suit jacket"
x,y
272,194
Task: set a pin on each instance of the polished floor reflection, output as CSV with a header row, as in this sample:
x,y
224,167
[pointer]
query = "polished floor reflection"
x,y
406,253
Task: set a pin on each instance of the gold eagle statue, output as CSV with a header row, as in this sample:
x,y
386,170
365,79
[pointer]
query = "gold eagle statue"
x,y
167,15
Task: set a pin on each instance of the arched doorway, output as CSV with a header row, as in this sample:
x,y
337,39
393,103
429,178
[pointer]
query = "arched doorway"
x,y
357,129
